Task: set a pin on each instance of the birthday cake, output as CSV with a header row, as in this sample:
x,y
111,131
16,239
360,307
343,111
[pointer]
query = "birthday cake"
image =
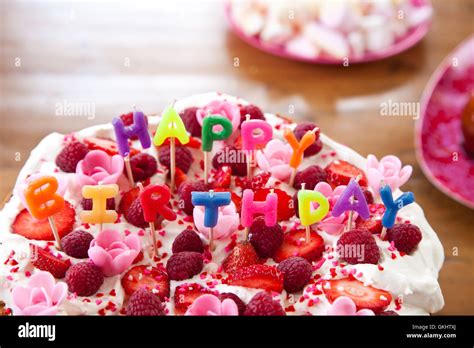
x,y
280,268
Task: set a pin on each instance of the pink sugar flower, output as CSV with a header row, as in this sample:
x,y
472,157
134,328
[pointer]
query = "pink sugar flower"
x,y
389,169
345,306
97,167
113,253
41,296
227,221
275,158
211,305
223,108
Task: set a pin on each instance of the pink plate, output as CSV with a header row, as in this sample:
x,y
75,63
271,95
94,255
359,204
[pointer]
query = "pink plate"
x,y
412,37
438,132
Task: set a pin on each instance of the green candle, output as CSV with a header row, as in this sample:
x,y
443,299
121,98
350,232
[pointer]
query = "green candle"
x,y
208,134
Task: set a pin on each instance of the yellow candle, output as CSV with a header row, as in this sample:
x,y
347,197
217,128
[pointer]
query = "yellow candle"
x,y
99,195
170,126
310,216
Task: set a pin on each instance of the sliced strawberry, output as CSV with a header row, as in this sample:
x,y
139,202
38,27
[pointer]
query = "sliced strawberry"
x,y
341,172
186,294
45,261
31,228
148,277
127,199
285,208
106,145
294,244
179,177
222,177
242,255
374,222
257,276
138,258
364,297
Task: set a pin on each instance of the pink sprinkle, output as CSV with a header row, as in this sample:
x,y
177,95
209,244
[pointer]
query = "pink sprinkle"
x,y
28,273
162,233
9,277
127,232
141,233
98,302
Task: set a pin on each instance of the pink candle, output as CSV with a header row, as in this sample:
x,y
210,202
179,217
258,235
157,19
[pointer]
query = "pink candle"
x,y
254,132
250,207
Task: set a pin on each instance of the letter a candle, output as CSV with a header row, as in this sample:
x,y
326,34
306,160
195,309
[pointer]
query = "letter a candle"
x,y
99,195
298,148
171,127
309,216
249,208
43,202
392,207
211,201
209,135
352,199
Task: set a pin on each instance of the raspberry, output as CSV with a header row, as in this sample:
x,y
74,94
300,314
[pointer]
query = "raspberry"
x,y
143,166
406,237
84,278
127,120
265,239
86,203
232,157
190,121
368,195
134,215
184,158
252,110
184,265
387,314
310,176
260,180
300,131
296,273
70,156
358,246
145,303
76,244
240,304
184,192
188,240
263,304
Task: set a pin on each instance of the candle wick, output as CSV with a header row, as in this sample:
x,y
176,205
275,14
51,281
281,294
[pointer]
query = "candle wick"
x,y
247,117
315,129
140,186
303,185
211,193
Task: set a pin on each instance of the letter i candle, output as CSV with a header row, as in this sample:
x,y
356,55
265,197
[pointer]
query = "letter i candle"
x,y
249,208
309,216
42,201
99,195
298,148
209,136
211,201
392,206
139,128
170,127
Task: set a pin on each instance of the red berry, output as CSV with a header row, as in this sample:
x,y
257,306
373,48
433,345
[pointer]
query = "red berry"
x,y
148,277
186,294
127,199
134,215
253,111
406,237
300,130
259,181
296,273
262,304
358,246
265,239
184,265
374,222
76,244
127,120
285,202
188,240
294,244
311,176
232,157
364,297
70,156
84,278
45,261
107,145
31,228
183,157
143,166
369,197
242,255
387,314
144,303
341,172
221,178
184,192
190,121
264,277
86,204
240,304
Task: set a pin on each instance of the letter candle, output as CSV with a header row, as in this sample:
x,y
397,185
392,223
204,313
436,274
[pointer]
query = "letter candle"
x,y
392,206
211,201
209,136
139,128
250,207
250,137
99,195
309,216
352,199
43,202
171,126
298,148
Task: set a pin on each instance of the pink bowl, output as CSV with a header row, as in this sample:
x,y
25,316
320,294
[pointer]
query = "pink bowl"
x,y
411,38
438,134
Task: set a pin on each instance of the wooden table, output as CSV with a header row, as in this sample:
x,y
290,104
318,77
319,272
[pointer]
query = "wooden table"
x,y
112,55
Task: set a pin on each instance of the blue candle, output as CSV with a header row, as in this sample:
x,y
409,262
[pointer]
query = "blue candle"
x,y
393,206
211,201
346,201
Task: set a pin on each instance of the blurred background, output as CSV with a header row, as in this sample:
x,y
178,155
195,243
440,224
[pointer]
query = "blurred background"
x,y
113,54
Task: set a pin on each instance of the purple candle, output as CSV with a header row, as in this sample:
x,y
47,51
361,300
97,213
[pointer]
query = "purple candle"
x,y
352,199
123,133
